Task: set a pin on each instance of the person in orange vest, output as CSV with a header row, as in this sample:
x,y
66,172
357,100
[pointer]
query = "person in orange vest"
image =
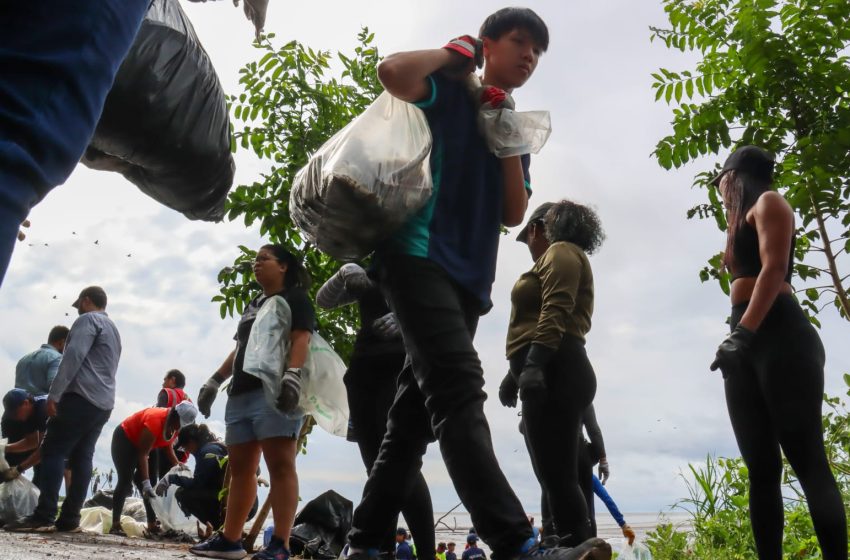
x,y
133,439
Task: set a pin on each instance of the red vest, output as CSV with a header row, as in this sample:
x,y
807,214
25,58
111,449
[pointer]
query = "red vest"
x,y
175,397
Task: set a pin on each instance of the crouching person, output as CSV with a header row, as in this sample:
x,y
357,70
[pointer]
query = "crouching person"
x,y
132,442
24,422
201,495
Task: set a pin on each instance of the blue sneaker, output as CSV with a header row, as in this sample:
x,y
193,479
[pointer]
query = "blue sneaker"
x,y
219,547
273,551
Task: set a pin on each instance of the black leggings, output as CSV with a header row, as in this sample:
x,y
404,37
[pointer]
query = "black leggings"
x,y
585,482
371,382
126,459
776,404
553,436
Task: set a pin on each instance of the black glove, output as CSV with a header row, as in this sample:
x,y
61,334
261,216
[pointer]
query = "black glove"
x,y
532,380
508,391
208,393
731,355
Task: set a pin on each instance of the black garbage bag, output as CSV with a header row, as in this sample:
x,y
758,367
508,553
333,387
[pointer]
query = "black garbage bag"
x,y
321,527
101,498
165,125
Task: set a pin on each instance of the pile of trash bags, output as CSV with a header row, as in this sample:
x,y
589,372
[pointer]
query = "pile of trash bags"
x,y
165,125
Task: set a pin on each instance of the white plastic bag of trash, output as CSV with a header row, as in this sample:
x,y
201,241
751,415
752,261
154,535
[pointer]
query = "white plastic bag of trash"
x,y
18,497
99,520
168,511
623,551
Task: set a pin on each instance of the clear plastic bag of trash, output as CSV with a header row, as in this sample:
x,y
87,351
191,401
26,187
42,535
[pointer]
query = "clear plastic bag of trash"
x,y
366,181
18,497
268,347
624,551
168,511
514,133
323,393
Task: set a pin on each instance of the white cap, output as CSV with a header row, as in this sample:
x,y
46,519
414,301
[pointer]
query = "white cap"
x,y
187,412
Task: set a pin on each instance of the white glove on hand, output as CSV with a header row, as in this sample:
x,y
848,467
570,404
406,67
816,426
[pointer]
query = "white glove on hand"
x,y
356,280
147,489
182,467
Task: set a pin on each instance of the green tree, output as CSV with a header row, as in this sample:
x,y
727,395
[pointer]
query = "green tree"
x,y
291,103
776,74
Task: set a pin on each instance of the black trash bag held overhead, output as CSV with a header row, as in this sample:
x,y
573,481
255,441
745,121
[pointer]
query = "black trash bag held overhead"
x,y
165,125
319,530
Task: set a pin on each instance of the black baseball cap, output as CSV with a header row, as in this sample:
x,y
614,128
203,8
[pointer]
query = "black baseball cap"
x,y
12,401
749,159
536,216
95,294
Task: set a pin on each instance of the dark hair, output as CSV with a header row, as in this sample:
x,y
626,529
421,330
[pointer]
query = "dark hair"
x,y
178,377
576,223
199,433
507,19
296,275
742,192
57,333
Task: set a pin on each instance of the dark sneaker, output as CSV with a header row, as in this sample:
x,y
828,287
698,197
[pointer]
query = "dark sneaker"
x,y
117,531
68,528
274,551
30,524
591,549
290,391
219,547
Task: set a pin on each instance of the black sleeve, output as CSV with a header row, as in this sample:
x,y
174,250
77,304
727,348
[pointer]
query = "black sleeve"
x,y
162,399
594,433
303,315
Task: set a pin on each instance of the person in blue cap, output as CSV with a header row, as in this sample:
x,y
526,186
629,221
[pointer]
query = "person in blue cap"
x,y
472,551
403,550
24,423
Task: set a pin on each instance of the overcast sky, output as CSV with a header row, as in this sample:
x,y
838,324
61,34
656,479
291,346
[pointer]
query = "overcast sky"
x,y
655,325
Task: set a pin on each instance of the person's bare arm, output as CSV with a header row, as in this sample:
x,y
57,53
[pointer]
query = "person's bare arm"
x,y
405,74
299,347
172,457
515,195
225,370
30,442
146,441
774,223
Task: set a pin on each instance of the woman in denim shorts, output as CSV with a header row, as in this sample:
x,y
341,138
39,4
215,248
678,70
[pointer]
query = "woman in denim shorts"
x,y
253,426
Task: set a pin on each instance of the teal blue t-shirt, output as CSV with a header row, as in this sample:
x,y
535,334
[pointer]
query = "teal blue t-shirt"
x,y
459,228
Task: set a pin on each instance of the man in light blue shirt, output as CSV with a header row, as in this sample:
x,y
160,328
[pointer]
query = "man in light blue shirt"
x,y
79,403
35,371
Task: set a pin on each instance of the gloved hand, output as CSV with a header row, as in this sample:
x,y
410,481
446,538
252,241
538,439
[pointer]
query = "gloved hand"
x,y
604,471
386,327
162,486
470,49
532,380
290,390
147,489
208,393
357,282
629,533
731,355
509,391
10,474
492,98
255,11
181,467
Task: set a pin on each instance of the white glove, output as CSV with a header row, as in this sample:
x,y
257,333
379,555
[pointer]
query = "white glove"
x,y
356,280
182,467
147,489
162,486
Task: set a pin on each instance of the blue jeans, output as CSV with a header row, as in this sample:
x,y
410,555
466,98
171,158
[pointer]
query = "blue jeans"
x,y
59,60
72,434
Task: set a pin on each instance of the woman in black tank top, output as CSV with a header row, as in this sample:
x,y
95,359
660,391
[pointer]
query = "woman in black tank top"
x,y
772,362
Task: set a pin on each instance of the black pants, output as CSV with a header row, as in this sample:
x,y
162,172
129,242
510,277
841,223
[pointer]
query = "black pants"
x,y
553,424
776,405
441,395
203,503
126,459
585,482
371,382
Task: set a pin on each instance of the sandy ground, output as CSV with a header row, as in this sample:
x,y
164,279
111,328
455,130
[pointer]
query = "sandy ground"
x,y
85,546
